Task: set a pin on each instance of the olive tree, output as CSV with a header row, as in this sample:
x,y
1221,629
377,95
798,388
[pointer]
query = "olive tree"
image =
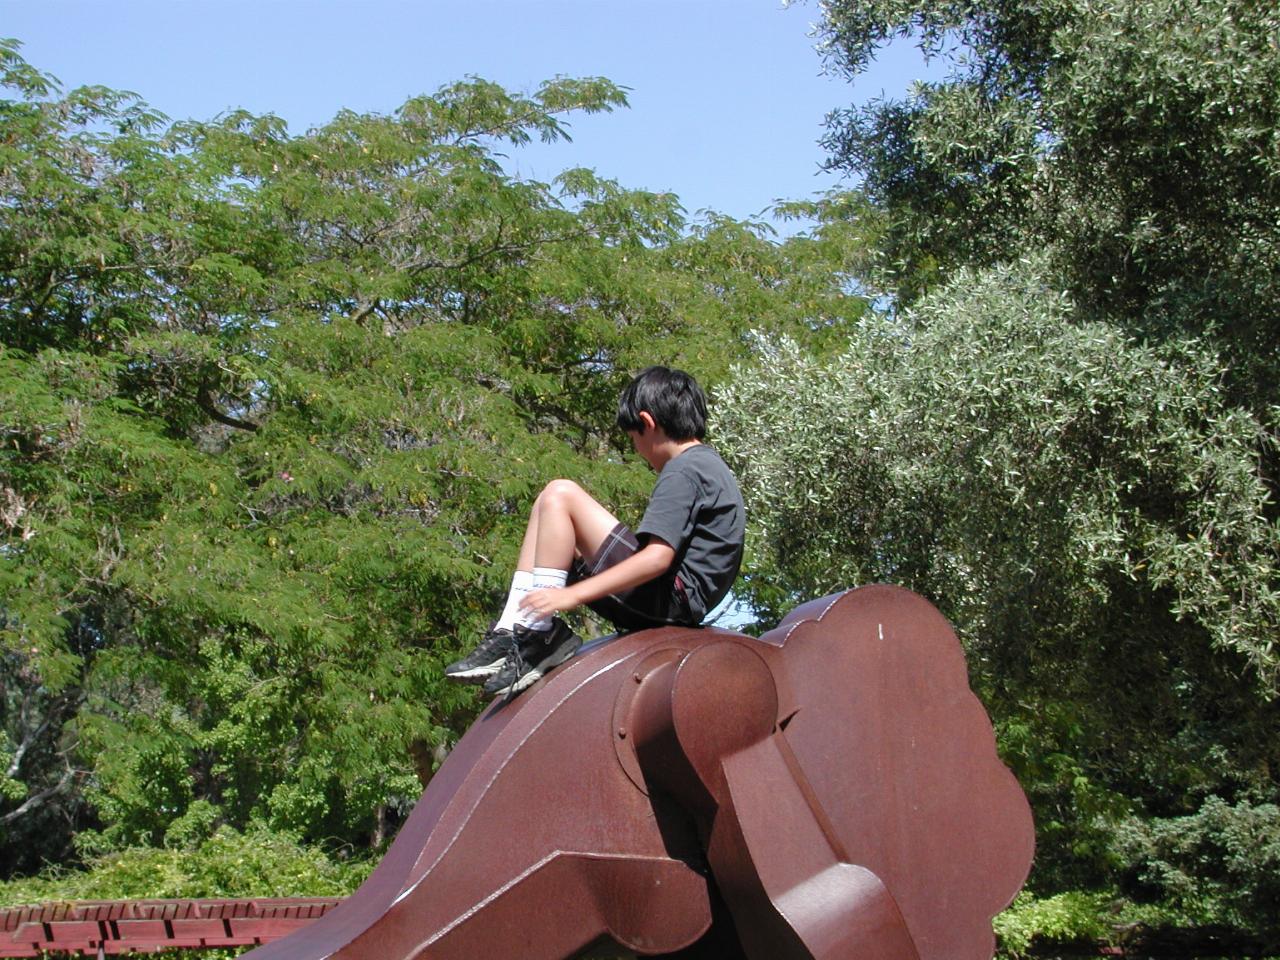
x,y
1087,510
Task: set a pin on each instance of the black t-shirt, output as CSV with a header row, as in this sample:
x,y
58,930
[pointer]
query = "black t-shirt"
x,y
696,508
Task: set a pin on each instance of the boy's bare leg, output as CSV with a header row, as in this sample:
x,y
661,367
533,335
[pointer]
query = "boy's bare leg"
x,y
565,521
529,545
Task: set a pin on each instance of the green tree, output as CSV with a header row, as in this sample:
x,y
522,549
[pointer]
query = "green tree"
x,y
1067,437
274,409
1135,139
1087,510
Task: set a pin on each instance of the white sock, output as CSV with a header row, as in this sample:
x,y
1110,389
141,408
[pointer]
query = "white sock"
x,y
543,578
521,583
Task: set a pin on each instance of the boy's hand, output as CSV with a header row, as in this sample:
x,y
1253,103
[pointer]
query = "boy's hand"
x,y
548,601
652,560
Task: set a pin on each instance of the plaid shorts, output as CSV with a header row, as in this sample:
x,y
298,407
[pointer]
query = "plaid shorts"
x,y
657,603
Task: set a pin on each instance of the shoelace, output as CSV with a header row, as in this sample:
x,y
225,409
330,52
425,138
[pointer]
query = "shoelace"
x,y
522,666
515,658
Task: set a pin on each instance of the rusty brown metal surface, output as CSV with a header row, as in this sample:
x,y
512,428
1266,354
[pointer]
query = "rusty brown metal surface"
x,y
118,926
828,790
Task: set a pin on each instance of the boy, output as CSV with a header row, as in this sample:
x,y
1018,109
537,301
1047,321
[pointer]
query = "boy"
x,y
675,567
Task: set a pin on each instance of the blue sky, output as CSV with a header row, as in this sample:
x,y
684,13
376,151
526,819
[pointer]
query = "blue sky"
x,y
727,96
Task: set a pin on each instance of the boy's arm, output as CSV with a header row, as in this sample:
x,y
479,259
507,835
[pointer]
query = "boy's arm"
x,y
652,560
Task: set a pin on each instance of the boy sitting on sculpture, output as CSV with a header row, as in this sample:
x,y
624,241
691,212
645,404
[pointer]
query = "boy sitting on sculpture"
x,y
675,567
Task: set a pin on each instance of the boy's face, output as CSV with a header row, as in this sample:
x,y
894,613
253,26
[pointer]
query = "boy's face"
x,y
646,441
643,443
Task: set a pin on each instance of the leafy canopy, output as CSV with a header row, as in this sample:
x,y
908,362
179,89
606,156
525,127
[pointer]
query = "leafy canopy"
x,y
1064,429
1086,510
1134,139
274,409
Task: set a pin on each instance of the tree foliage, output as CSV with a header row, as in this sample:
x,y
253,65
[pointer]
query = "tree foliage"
x,y
1220,866
274,409
1136,139
1088,512
1063,429
227,863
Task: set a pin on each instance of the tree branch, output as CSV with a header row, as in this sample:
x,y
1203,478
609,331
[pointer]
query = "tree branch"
x,y
37,799
205,402
364,310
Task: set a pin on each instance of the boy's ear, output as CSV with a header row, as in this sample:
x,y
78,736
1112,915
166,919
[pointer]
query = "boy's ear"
x,y
647,422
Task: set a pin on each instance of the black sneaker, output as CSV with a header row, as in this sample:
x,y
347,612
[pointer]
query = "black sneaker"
x,y
485,660
533,655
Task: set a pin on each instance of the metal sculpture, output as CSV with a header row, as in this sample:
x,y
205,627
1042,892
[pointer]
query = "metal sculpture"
x,y
828,790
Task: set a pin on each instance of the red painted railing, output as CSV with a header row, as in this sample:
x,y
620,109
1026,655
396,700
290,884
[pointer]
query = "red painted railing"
x,y
103,928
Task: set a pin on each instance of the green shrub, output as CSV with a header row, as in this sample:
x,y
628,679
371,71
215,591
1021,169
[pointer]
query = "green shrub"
x,y
1219,866
256,863
1067,918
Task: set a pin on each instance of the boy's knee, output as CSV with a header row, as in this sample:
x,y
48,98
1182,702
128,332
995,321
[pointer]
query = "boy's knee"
x,y
560,492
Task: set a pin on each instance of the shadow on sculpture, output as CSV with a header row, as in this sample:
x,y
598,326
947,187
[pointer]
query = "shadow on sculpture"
x,y
829,790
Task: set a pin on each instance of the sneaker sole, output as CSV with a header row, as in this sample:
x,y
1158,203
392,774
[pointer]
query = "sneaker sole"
x,y
477,673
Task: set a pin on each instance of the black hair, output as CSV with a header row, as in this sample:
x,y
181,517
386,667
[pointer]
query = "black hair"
x,y
672,397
